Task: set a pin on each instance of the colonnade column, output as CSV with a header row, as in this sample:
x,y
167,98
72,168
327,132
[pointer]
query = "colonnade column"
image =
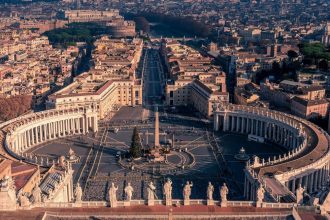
x,y
215,121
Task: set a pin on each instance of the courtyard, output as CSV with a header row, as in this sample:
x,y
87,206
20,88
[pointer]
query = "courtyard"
x,y
197,154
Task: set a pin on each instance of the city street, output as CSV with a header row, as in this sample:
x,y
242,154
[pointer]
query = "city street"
x,y
153,78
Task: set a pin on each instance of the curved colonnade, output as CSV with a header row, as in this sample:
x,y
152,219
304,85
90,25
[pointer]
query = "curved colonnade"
x,y
30,130
307,162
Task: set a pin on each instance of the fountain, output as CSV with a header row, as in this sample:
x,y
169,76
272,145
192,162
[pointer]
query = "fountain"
x,y
72,157
242,155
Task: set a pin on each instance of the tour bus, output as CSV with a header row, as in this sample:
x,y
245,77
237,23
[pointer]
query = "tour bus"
x,y
256,138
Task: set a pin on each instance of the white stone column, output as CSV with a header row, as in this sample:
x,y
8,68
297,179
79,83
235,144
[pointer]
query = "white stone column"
x,y
37,135
274,132
67,127
306,182
18,137
311,183
56,128
89,123
327,171
316,177
232,123
320,178
86,124
256,127
22,141
76,129
243,125
215,121
25,139
42,132
28,137
48,131
78,125
63,127
96,125
32,136
278,133
52,130
225,122
72,126
60,128
293,185
58,123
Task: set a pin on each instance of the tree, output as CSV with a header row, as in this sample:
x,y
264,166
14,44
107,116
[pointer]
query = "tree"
x,y
142,24
136,147
323,65
292,54
276,68
14,106
314,52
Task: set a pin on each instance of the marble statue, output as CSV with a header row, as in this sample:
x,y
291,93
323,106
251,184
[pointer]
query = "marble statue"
x,y
8,199
210,190
24,200
260,194
209,193
223,194
37,194
187,191
129,192
113,195
78,193
61,161
8,183
300,194
168,192
151,193
72,154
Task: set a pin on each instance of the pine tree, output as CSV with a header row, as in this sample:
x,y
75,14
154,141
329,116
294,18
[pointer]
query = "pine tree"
x,y
136,147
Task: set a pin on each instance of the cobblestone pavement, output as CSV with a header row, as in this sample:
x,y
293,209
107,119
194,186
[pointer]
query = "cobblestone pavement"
x,y
189,133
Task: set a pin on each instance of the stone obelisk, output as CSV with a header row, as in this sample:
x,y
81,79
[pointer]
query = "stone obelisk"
x,y
156,127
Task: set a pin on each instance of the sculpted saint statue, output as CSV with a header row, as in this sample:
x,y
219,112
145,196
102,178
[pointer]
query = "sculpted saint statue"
x,y
260,194
224,192
113,195
37,194
78,193
24,200
187,190
129,192
300,194
210,190
151,191
168,191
